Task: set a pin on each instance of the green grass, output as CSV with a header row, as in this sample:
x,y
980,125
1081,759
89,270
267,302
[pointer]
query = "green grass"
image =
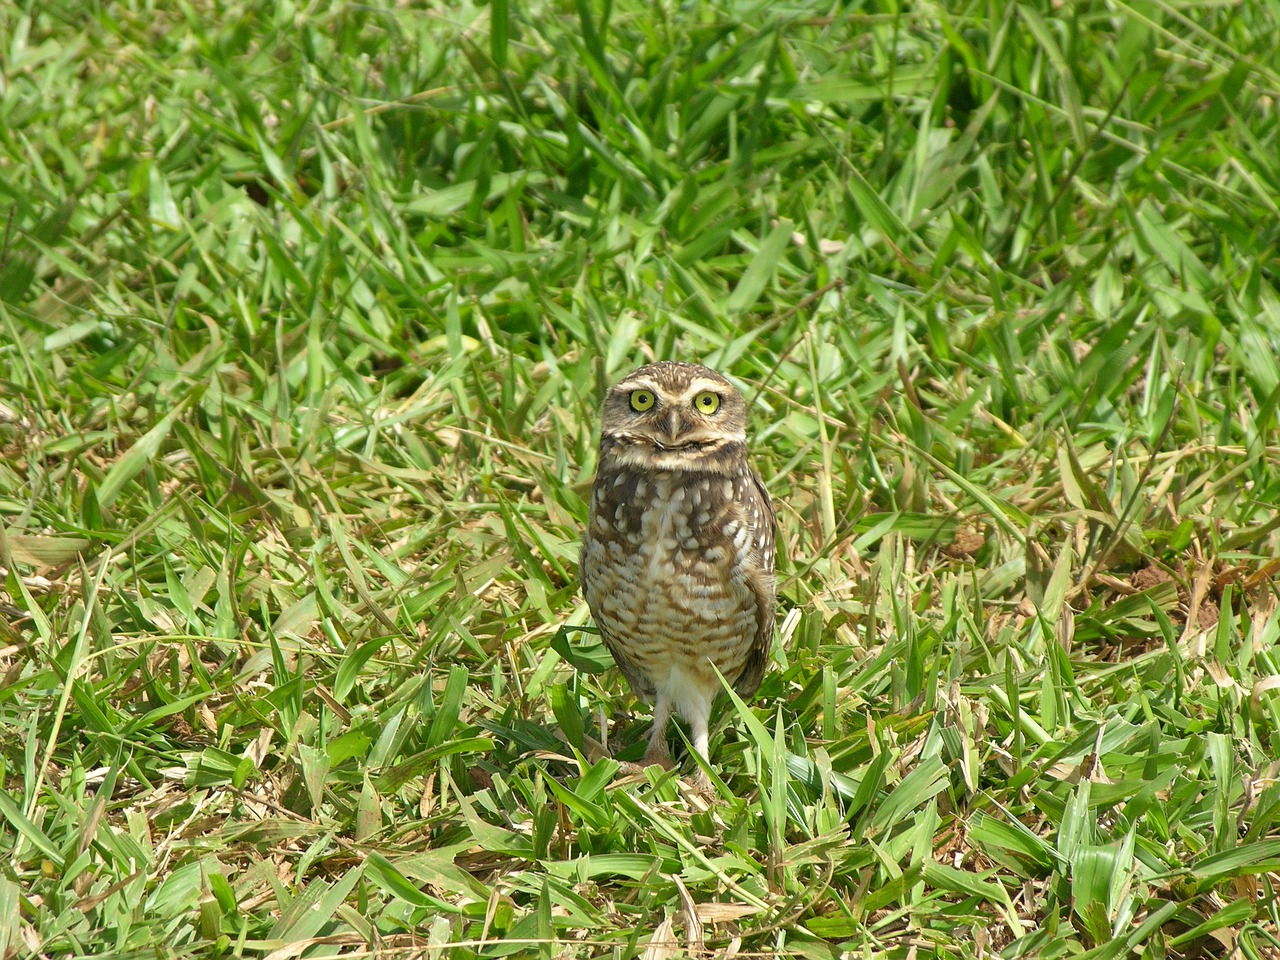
x,y
305,314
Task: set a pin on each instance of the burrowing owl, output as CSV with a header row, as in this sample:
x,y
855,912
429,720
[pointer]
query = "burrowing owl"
x,y
677,560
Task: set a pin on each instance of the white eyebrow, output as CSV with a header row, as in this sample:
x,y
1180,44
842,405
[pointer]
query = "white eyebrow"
x,y
629,385
696,386
701,384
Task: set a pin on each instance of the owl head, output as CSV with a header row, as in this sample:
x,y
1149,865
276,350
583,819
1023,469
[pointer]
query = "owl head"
x,y
674,415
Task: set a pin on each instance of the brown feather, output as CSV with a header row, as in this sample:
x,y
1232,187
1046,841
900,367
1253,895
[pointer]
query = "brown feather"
x,y
677,560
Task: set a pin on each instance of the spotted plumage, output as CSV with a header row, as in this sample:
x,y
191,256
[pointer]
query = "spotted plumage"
x,y
678,555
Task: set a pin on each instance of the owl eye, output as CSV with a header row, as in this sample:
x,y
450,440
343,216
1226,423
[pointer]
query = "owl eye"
x,y
641,400
706,402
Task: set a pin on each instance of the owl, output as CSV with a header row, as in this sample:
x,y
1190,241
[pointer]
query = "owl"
x,y
677,559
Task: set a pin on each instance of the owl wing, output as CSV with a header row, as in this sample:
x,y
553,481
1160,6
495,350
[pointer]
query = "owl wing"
x,y
640,683
592,590
762,583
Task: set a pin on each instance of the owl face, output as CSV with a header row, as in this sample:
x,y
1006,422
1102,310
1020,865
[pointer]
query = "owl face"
x,y
672,416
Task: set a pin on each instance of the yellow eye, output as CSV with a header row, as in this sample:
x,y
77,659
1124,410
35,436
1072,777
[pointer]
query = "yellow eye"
x,y
641,400
706,402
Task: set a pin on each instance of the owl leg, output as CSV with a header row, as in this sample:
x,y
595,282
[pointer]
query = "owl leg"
x,y
699,724
657,751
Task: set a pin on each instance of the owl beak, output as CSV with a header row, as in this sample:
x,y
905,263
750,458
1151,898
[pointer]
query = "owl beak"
x,y
673,425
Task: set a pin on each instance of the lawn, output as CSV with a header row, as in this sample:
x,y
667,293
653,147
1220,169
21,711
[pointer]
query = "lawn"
x,y
306,313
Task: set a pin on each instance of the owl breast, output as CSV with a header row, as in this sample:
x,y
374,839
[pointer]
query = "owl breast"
x,y
669,566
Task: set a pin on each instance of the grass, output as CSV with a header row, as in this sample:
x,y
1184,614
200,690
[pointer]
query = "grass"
x,y
305,314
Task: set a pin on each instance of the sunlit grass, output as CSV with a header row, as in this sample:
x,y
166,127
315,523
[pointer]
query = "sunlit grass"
x,y
305,315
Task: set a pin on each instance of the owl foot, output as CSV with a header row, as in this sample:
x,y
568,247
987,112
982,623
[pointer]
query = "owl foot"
x,y
657,756
652,758
700,783
629,768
